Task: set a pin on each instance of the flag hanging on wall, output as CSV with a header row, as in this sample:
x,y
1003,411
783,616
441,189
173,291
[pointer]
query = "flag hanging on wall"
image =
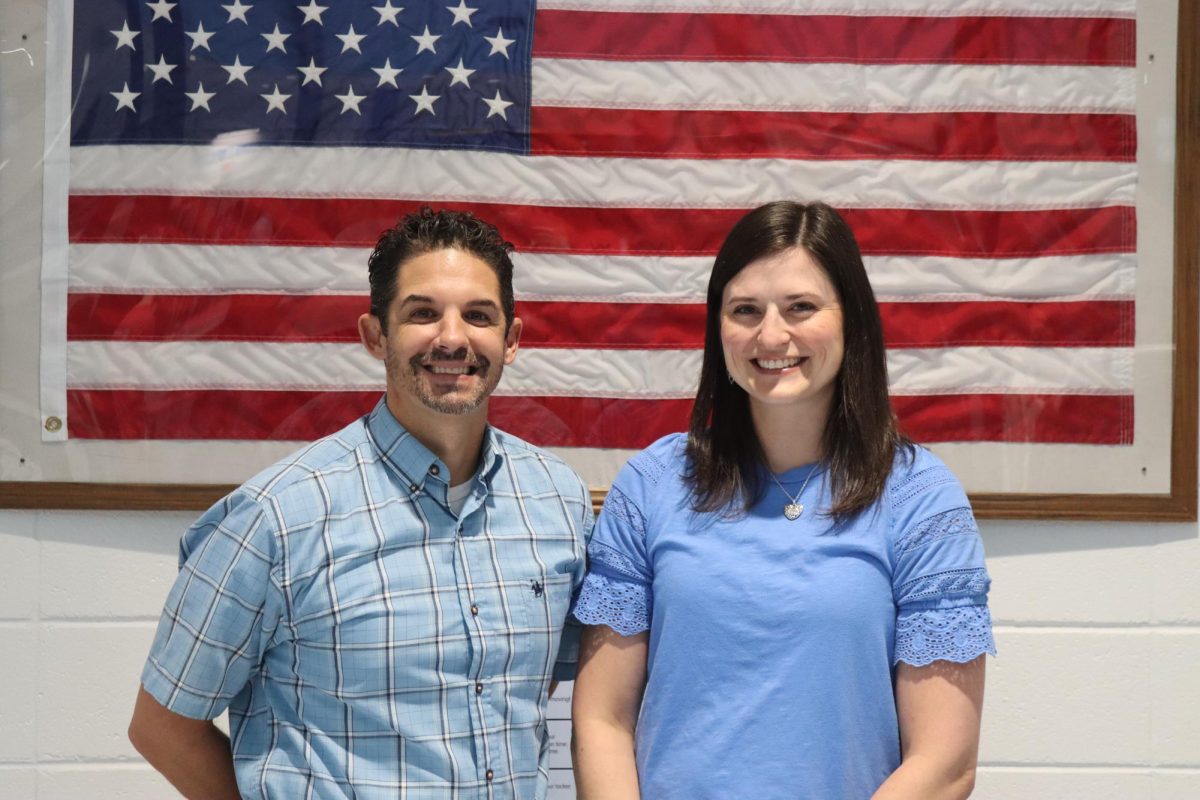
x,y
232,165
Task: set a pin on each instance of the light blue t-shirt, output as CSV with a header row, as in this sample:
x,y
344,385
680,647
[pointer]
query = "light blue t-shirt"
x,y
772,641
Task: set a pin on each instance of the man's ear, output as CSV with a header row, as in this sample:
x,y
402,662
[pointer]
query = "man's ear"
x,y
370,333
512,340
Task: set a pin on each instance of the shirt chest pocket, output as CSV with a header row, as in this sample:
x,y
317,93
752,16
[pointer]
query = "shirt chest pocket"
x,y
544,600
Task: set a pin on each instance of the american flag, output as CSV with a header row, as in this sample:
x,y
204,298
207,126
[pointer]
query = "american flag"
x,y
233,163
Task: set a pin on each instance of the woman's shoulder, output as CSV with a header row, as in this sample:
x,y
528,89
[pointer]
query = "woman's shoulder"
x,y
918,474
658,465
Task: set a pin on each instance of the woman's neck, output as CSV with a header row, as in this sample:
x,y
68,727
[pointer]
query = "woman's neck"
x,y
790,435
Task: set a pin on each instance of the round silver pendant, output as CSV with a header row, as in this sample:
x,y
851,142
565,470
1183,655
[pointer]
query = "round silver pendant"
x,y
793,510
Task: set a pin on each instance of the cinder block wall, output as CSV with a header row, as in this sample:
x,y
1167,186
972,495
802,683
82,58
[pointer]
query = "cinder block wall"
x,y
1095,696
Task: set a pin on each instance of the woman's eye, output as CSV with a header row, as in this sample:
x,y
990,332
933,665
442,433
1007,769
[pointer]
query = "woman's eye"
x,y
804,307
744,310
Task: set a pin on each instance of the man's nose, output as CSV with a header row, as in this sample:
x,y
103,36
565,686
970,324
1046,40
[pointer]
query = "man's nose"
x,y
452,333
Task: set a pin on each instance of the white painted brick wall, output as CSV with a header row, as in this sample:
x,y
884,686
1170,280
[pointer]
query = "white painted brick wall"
x,y
1095,695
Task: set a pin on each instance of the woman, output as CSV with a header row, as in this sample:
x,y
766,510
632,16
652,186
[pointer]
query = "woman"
x,y
790,601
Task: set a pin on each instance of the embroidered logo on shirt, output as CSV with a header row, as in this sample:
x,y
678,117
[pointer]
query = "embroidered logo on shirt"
x,y
537,588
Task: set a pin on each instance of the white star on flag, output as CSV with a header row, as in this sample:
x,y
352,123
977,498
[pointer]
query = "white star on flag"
x,y
275,100
312,73
462,13
425,41
350,100
125,36
275,39
200,37
350,40
499,43
460,74
387,74
200,98
125,98
496,106
424,101
162,70
387,13
236,71
313,12
161,9
237,11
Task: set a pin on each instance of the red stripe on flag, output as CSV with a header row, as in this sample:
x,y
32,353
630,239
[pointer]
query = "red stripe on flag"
x,y
569,421
1061,418
1094,323
853,39
326,318
824,135
212,414
344,222
238,317
1091,323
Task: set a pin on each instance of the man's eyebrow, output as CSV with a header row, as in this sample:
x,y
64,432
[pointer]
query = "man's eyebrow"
x,y
483,302
416,298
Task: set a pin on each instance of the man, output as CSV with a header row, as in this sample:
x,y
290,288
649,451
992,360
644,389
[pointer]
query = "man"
x,y
383,612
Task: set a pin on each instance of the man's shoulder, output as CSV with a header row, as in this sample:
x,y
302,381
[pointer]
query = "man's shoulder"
x,y
529,457
301,469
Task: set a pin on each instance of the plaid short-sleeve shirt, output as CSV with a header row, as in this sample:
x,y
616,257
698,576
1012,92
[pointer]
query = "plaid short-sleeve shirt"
x,y
368,642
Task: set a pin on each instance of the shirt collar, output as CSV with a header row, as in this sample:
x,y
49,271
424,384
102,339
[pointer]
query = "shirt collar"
x,y
414,461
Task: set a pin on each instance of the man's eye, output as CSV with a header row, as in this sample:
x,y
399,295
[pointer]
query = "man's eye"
x,y
422,313
479,317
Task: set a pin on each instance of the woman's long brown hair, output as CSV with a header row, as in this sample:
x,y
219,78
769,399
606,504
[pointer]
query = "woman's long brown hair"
x,y
861,438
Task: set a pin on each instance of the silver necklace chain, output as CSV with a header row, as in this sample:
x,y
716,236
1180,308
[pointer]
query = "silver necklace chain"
x,y
794,507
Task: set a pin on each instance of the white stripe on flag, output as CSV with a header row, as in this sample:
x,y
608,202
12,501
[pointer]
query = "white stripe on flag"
x,y
230,269
773,86
575,373
639,183
924,8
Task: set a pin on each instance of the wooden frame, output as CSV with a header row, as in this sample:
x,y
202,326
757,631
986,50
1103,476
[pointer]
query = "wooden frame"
x,y
1178,504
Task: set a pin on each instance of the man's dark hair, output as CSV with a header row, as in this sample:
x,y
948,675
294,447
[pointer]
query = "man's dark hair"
x,y
427,230
861,438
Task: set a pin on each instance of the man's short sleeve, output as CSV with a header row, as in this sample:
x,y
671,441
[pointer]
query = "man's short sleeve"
x,y
567,663
221,611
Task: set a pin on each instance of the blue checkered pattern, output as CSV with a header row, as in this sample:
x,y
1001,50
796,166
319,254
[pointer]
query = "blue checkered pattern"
x,y
367,642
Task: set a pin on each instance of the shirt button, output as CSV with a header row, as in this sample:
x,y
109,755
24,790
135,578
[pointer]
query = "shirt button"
x,y
475,610
479,688
412,487
433,470
489,775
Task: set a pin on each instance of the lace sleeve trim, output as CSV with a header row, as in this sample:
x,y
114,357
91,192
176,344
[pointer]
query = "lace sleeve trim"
x,y
950,586
602,558
943,634
919,482
955,522
620,506
622,605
